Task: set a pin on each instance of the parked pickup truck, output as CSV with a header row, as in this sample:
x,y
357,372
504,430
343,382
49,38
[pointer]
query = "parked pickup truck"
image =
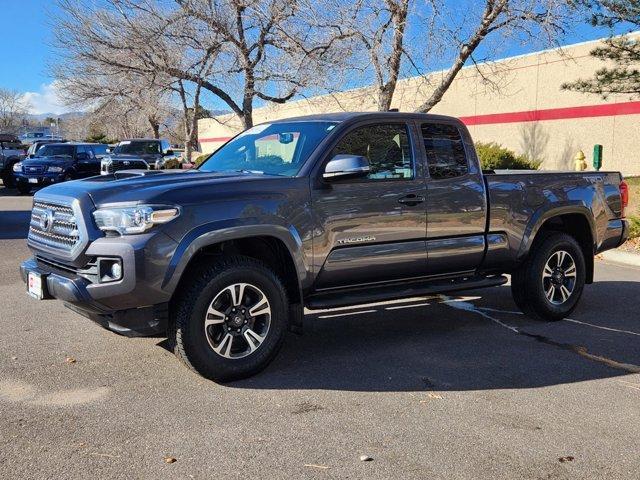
x,y
319,212
11,152
140,153
55,163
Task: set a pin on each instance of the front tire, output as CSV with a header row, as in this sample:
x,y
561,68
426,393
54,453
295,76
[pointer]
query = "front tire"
x,y
231,320
549,284
23,189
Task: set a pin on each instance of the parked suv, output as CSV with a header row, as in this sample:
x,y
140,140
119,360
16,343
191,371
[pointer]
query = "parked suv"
x,y
55,163
320,212
11,152
140,153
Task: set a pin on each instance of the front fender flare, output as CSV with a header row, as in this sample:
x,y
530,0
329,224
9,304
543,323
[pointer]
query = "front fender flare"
x,y
221,231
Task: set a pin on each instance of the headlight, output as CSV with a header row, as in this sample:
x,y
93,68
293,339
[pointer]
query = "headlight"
x,y
17,167
131,220
54,169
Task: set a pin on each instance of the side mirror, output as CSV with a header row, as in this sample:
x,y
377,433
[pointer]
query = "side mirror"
x,y
346,166
82,156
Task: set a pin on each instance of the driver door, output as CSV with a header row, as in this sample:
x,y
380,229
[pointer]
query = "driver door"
x,y
372,229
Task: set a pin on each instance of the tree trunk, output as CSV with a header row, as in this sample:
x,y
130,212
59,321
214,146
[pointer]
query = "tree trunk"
x,y
155,126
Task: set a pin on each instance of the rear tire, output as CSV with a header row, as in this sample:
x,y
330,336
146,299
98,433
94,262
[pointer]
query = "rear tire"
x,y
549,284
232,297
23,189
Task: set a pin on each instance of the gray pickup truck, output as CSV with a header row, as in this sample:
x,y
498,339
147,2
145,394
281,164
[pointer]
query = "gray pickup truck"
x,y
318,212
140,153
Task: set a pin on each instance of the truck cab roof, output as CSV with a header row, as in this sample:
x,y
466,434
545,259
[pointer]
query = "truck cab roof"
x,y
352,116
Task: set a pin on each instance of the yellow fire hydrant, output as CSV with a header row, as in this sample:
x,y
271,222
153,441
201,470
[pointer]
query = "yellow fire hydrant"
x,y
580,164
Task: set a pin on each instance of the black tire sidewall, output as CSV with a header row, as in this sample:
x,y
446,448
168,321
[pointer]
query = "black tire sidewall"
x,y
536,297
196,347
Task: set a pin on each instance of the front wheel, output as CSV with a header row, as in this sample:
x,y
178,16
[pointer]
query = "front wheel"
x,y
550,283
8,181
23,188
231,320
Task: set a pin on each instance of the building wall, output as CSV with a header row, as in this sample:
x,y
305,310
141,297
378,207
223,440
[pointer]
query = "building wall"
x,y
516,102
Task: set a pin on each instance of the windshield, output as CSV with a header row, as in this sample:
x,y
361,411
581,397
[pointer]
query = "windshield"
x,y
270,148
99,149
137,148
55,150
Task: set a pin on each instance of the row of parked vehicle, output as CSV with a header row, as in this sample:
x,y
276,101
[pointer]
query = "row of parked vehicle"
x,y
46,161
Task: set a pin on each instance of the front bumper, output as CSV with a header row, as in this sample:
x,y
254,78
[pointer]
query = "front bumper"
x,y
39,180
135,305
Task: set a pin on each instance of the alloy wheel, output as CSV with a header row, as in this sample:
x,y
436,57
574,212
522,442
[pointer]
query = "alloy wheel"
x,y
559,277
237,320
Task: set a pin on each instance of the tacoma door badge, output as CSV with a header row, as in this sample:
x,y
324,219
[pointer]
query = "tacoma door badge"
x,y
363,239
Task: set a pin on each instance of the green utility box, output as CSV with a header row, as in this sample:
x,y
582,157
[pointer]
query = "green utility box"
x,y
597,157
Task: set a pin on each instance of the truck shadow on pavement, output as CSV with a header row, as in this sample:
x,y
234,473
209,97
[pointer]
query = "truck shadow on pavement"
x,y
476,342
14,224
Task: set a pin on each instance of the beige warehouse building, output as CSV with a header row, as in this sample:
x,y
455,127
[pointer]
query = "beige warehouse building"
x,y
517,102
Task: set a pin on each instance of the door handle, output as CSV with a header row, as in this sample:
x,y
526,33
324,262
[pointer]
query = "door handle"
x,y
411,200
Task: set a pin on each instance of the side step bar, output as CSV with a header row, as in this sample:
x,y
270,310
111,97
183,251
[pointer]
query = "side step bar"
x,y
355,296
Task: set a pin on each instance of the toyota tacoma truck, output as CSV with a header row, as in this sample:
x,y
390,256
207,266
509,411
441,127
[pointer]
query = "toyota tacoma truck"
x,y
140,153
318,212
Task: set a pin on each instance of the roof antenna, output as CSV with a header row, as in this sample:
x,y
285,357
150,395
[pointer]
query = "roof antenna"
x,y
392,110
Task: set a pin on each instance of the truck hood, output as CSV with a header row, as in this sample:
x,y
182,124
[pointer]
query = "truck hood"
x,y
58,161
130,156
150,186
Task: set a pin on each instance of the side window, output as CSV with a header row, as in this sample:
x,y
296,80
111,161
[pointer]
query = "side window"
x,y
80,149
387,148
445,151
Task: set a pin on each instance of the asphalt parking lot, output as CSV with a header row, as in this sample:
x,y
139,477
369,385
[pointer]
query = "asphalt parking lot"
x,y
439,387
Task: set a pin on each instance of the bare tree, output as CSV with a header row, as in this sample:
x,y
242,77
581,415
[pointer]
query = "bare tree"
x,y
13,109
241,51
380,28
510,20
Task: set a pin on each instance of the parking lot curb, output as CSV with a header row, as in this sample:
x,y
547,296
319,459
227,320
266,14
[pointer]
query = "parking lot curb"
x,y
625,258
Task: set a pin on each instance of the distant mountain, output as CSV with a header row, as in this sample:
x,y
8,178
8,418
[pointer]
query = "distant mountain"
x,y
39,117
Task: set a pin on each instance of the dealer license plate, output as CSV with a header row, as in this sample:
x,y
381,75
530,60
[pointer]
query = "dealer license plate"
x,y
34,285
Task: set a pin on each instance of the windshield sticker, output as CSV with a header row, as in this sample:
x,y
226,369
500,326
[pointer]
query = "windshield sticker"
x,y
256,130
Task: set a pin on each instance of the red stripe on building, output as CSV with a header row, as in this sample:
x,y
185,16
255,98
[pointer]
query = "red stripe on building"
x,y
215,139
589,111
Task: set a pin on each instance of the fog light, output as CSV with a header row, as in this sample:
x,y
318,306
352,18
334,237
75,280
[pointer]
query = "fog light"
x,y
116,271
109,269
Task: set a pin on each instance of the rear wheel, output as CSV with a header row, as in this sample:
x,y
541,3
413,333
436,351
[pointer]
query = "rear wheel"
x,y
550,283
231,320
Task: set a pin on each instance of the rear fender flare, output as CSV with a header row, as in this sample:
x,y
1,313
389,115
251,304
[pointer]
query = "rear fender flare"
x,y
541,216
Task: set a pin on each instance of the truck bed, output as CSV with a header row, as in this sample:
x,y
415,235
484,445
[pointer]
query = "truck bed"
x,y
519,201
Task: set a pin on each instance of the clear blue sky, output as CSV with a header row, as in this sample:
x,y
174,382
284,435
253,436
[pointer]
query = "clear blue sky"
x,y
25,38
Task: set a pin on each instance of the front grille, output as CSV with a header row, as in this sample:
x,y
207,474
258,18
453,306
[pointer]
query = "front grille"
x,y
54,225
36,169
117,165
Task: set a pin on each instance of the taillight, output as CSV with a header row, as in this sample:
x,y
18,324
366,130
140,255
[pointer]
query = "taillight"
x,y
624,195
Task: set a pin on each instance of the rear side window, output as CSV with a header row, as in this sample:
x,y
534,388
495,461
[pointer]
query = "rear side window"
x,y
445,151
387,148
